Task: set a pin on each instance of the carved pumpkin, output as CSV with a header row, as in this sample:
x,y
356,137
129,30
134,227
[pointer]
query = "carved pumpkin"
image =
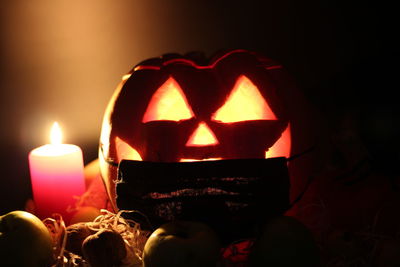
x,y
176,108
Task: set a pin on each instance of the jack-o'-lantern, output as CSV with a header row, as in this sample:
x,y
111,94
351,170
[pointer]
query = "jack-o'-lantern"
x,y
178,108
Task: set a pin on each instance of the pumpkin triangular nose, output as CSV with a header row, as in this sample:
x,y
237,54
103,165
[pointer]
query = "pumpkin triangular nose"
x,y
202,136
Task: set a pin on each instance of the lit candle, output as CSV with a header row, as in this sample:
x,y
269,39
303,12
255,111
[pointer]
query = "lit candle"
x,y
56,175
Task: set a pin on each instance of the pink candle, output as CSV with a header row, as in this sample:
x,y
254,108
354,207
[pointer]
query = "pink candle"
x,y
56,175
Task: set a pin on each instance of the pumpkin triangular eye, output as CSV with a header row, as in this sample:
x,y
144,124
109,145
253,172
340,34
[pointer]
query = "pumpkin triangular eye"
x,y
245,103
168,103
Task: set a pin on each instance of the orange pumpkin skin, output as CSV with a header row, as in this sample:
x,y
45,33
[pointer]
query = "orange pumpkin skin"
x,y
138,125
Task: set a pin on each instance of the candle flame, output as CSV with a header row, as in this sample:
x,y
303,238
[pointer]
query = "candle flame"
x,y
55,135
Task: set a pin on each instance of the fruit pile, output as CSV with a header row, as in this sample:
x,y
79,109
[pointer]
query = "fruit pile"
x,y
111,240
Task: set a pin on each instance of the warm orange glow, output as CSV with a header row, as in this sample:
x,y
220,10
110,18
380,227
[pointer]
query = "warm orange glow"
x,y
244,103
281,148
125,151
168,103
55,134
192,160
126,76
202,136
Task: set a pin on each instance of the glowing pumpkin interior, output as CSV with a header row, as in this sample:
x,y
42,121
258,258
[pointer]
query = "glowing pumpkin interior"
x,y
244,103
168,103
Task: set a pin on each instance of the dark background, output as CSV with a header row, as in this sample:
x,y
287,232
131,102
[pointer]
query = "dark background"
x,y
61,61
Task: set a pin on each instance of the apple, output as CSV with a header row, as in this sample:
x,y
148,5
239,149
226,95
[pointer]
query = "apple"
x,y
182,243
284,241
24,240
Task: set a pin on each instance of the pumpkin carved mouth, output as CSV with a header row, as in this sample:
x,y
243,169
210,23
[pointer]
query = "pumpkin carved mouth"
x,y
206,152
205,159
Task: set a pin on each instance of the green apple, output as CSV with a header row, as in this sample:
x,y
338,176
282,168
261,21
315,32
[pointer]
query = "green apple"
x,y
284,241
182,244
24,241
